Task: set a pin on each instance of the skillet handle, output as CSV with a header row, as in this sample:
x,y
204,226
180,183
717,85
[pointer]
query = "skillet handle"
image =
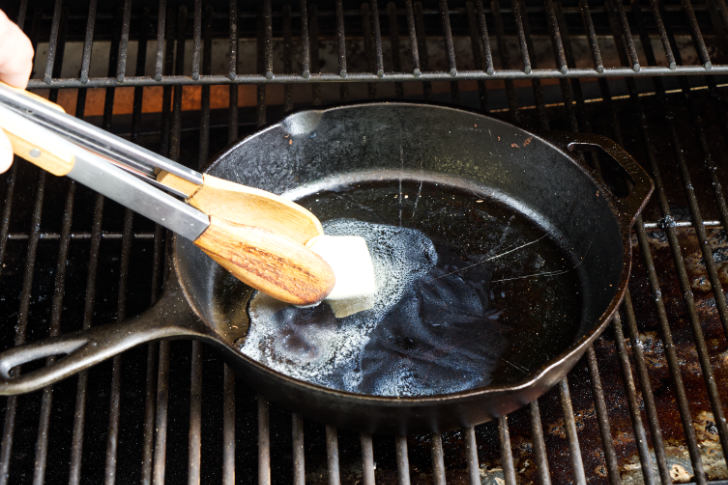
x,y
83,349
630,205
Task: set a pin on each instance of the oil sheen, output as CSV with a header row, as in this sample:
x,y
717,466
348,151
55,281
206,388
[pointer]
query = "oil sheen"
x,y
470,293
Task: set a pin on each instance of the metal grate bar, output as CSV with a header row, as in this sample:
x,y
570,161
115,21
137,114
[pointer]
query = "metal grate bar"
x,y
377,39
483,26
570,423
509,471
634,407
654,4
438,460
626,35
449,43
610,456
647,394
299,454
403,471
476,43
367,459
535,83
556,39
89,302
341,37
233,37
592,36
196,38
161,39
88,41
228,431
160,416
522,40
53,41
124,41
542,462
461,75
267,40
305,42
194,434
41,446
263,441
471,455
412,31
332,455
697,34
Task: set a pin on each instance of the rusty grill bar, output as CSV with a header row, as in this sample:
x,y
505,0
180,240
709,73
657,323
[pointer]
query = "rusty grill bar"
x,y
173,411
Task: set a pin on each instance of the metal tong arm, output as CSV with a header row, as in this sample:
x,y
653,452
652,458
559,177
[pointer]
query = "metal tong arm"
x,y
49,148
85,134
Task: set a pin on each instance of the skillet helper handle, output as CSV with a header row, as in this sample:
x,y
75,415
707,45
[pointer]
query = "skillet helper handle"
x,y
630,205
80,350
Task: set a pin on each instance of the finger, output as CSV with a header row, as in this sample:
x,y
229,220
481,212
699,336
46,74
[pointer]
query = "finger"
x,y
6,152
16,55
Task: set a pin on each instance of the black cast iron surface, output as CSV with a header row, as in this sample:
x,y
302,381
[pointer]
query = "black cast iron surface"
x,y
171,412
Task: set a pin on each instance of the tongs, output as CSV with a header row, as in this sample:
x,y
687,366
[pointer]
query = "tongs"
x,y
260,237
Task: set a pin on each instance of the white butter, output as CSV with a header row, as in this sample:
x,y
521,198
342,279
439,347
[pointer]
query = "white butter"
x,y
349,258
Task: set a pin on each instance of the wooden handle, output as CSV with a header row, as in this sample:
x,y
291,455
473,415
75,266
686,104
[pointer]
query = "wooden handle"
x,y
275,264
247,206
36,144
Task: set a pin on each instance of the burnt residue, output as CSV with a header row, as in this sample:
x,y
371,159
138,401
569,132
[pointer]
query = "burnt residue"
x,y
653,348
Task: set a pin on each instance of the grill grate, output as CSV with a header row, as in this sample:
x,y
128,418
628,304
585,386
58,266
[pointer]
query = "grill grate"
x,y
172,411
704,24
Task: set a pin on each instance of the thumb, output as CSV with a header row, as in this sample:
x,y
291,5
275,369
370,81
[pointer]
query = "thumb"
x,y
6,152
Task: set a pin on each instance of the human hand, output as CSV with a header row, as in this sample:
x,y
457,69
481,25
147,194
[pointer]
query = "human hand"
x,y
16,62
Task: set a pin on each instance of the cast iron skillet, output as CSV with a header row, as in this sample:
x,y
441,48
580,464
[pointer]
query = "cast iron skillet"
x,y
534,176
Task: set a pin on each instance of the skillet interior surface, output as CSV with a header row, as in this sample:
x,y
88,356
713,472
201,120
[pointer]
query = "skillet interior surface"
x,y
483,187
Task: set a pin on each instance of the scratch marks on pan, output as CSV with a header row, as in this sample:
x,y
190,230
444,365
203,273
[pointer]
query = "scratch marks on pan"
x,y
534,275
515,366
491,258
502,239
547,274
401,195
419,190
